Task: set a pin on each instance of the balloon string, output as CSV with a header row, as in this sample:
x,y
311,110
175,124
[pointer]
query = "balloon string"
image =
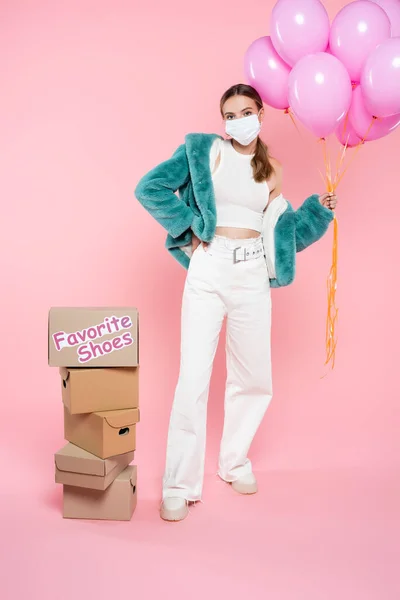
x,y
291,115
356,151
341,157
331,321
341,153
328,167
332,313
331,184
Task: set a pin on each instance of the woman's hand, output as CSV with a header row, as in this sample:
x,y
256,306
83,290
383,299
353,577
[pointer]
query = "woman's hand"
x,y
196,242
329,200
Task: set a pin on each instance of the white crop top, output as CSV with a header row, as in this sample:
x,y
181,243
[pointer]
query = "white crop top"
x,y
240,201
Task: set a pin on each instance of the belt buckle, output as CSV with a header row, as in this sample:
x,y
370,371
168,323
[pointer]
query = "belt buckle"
x,y
235,259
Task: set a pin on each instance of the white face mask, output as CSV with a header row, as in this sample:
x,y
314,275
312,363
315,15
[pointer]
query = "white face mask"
x,y
243,130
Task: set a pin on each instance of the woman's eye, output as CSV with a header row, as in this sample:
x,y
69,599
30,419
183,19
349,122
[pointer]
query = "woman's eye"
x,y
248,112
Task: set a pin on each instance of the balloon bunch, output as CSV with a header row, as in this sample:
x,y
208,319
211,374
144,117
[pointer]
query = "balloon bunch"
x,y
340,78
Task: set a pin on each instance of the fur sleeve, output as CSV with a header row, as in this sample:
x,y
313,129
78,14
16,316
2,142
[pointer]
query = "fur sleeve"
x,y
156,192
312,221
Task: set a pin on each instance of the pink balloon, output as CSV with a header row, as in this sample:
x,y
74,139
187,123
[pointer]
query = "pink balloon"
x,y
392,9
299,27
360,119
320,92
346,134
357,30
267,72
380,79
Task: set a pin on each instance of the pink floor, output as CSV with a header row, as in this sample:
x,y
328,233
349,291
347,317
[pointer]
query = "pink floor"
x,y
306,535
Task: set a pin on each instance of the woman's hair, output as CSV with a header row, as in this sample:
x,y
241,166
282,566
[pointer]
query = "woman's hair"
x,y
262,167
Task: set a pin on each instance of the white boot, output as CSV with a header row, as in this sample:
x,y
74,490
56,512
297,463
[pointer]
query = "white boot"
x,y
174,509
246,484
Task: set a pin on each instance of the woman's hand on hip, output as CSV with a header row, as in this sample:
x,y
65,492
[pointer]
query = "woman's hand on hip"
x,y
196,242
329,200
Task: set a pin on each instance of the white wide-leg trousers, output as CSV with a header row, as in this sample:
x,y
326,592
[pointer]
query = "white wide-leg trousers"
x,y
216,287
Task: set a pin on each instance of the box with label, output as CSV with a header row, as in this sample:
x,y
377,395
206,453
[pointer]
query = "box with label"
x,y
93,390
78,467
116,503
93,337
103,434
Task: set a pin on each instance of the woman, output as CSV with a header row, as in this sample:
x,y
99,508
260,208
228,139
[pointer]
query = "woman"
x,y
238,237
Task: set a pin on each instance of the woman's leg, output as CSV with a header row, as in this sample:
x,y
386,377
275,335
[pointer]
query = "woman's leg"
x,y
248,354
203,312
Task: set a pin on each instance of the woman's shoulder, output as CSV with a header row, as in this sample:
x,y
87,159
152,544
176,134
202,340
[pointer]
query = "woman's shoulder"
x,y
278,171
276,164
219,141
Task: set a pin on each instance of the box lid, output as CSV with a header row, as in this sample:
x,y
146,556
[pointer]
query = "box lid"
x,y
120,418
67,372
76,460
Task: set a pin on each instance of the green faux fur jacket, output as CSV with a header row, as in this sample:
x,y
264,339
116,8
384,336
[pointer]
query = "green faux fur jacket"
x,y
285,230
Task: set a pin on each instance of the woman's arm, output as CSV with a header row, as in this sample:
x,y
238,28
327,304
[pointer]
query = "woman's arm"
x,y
156,192
312,220
275,183
314,215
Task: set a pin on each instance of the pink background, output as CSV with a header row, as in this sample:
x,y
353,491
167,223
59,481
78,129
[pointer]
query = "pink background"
x,y
93,94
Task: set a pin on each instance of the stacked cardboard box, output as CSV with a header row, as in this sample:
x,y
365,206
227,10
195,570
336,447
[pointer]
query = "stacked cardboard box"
x,y
97,352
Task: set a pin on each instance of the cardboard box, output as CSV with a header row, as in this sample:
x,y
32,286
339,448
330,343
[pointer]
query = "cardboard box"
x,y
116,503
93,390
104,434
93,337
77,467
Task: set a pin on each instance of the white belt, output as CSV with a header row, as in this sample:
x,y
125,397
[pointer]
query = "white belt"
x,y
226,248
247,252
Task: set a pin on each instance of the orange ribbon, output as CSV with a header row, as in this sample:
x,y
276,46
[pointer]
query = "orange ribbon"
x,y
331,186
331,183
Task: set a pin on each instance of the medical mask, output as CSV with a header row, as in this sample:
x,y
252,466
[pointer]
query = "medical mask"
x,y
243,130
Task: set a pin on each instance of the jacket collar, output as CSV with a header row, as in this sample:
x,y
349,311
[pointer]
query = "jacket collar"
x,y
200,143
198,146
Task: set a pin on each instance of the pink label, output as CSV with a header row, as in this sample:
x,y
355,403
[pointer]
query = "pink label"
x,y
83,340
